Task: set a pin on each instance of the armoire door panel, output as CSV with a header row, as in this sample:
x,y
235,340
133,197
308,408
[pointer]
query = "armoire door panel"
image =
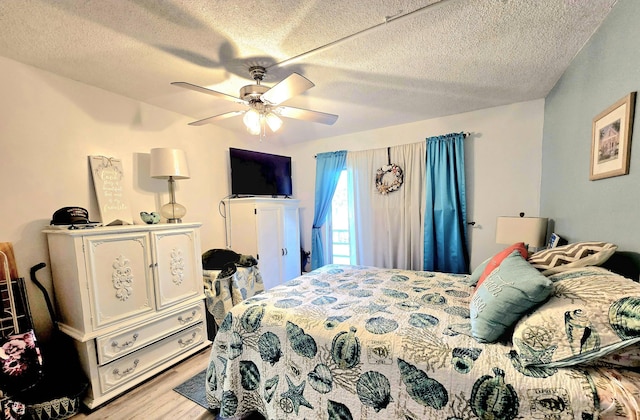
x,y
175,277
118,274
271,252
291,241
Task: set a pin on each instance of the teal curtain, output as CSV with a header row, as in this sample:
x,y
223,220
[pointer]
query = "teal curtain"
x,y
328,168
445,221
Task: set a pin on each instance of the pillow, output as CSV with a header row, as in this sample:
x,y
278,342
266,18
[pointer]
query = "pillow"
x,y
508,292
498,258
579,254
589,315
473,278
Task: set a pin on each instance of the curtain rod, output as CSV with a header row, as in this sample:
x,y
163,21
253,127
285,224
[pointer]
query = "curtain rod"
x,y
464,133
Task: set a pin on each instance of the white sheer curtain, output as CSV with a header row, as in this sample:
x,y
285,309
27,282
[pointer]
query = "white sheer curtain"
x,y
389,229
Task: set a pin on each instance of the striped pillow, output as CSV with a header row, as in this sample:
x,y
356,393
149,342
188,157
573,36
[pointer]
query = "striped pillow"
x,y
579,254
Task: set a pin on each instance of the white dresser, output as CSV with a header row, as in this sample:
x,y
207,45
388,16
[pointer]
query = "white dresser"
x,y
131,297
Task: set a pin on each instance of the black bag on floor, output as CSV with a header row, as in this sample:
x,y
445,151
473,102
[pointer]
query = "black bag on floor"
x,y
59,392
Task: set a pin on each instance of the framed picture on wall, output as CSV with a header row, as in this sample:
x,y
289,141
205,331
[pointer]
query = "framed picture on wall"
x,y
611,139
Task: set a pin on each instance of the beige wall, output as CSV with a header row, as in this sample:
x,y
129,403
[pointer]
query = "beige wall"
x,y
49,126
502,156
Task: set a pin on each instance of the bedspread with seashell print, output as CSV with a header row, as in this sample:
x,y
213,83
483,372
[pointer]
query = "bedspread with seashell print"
x,y
351,342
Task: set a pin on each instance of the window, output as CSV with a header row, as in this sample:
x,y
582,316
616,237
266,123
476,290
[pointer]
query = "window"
x,y
342,249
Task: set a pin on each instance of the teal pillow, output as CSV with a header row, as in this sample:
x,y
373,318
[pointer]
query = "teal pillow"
x,y
509,292
473,278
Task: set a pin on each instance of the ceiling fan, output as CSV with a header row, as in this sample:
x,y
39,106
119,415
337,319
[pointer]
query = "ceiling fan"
x,y
264,102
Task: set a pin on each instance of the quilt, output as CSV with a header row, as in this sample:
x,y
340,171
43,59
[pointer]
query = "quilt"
x,y
351,342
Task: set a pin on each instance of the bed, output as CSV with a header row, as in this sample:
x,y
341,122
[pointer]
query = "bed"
x,y
351,342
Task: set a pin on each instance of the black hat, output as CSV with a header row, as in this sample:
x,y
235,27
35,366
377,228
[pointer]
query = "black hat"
x,y
71,216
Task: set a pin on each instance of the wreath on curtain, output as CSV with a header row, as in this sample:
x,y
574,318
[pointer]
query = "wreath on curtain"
x,y
389,177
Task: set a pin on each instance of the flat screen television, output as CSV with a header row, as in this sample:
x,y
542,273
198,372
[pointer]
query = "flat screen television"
x,y
256,173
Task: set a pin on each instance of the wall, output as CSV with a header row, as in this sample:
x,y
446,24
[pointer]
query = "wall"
x,y
51,124
606,69
502,156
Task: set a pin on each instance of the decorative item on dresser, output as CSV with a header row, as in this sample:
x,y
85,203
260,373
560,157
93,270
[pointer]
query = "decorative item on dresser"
x,y
170,164
131,297
109,185
269,229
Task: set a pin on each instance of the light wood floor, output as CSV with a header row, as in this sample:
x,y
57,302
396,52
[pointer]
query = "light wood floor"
x,y
155,398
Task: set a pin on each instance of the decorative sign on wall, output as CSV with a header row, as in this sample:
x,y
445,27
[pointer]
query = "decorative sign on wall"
x,y
108,178
389,177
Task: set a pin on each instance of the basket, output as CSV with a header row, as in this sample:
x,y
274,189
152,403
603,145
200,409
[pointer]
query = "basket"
x,y
64,407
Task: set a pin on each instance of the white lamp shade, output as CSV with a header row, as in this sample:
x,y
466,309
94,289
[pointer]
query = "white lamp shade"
x,y
166,162
274,121
251,120
530,230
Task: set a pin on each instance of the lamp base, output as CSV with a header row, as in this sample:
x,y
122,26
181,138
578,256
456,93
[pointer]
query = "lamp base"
x,y
173,212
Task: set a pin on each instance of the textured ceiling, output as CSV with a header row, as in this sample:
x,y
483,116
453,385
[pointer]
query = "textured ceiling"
x,y
422,58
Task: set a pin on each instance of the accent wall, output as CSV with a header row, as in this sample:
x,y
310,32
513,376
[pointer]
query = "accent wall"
x,y
605,70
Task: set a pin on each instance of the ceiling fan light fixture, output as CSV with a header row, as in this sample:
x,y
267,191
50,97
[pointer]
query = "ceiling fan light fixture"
x,y
273,121
264,103
251,120
254,130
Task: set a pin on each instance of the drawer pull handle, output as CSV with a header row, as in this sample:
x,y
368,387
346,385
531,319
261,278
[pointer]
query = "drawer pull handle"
x,y
185,343
127,371
126,344
187,319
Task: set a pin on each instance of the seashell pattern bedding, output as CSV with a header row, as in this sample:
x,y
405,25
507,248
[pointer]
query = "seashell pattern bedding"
x,y
351,342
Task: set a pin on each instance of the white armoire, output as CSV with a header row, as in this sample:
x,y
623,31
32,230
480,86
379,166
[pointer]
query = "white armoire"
x,y
268,229
131,297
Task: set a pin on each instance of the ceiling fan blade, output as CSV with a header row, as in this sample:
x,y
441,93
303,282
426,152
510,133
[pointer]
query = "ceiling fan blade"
x,y
208,92
293,85
217,118
306,115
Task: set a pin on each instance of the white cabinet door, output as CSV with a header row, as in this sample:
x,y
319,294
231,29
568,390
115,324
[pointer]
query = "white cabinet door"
x,y
269,230
291,243
176,266
119,277
269,245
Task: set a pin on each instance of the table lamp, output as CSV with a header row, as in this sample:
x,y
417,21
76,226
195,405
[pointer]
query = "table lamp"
x,y
530,230
170,164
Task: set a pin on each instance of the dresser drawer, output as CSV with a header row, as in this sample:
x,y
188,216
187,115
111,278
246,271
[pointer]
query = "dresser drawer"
x,y
123,342
126,368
